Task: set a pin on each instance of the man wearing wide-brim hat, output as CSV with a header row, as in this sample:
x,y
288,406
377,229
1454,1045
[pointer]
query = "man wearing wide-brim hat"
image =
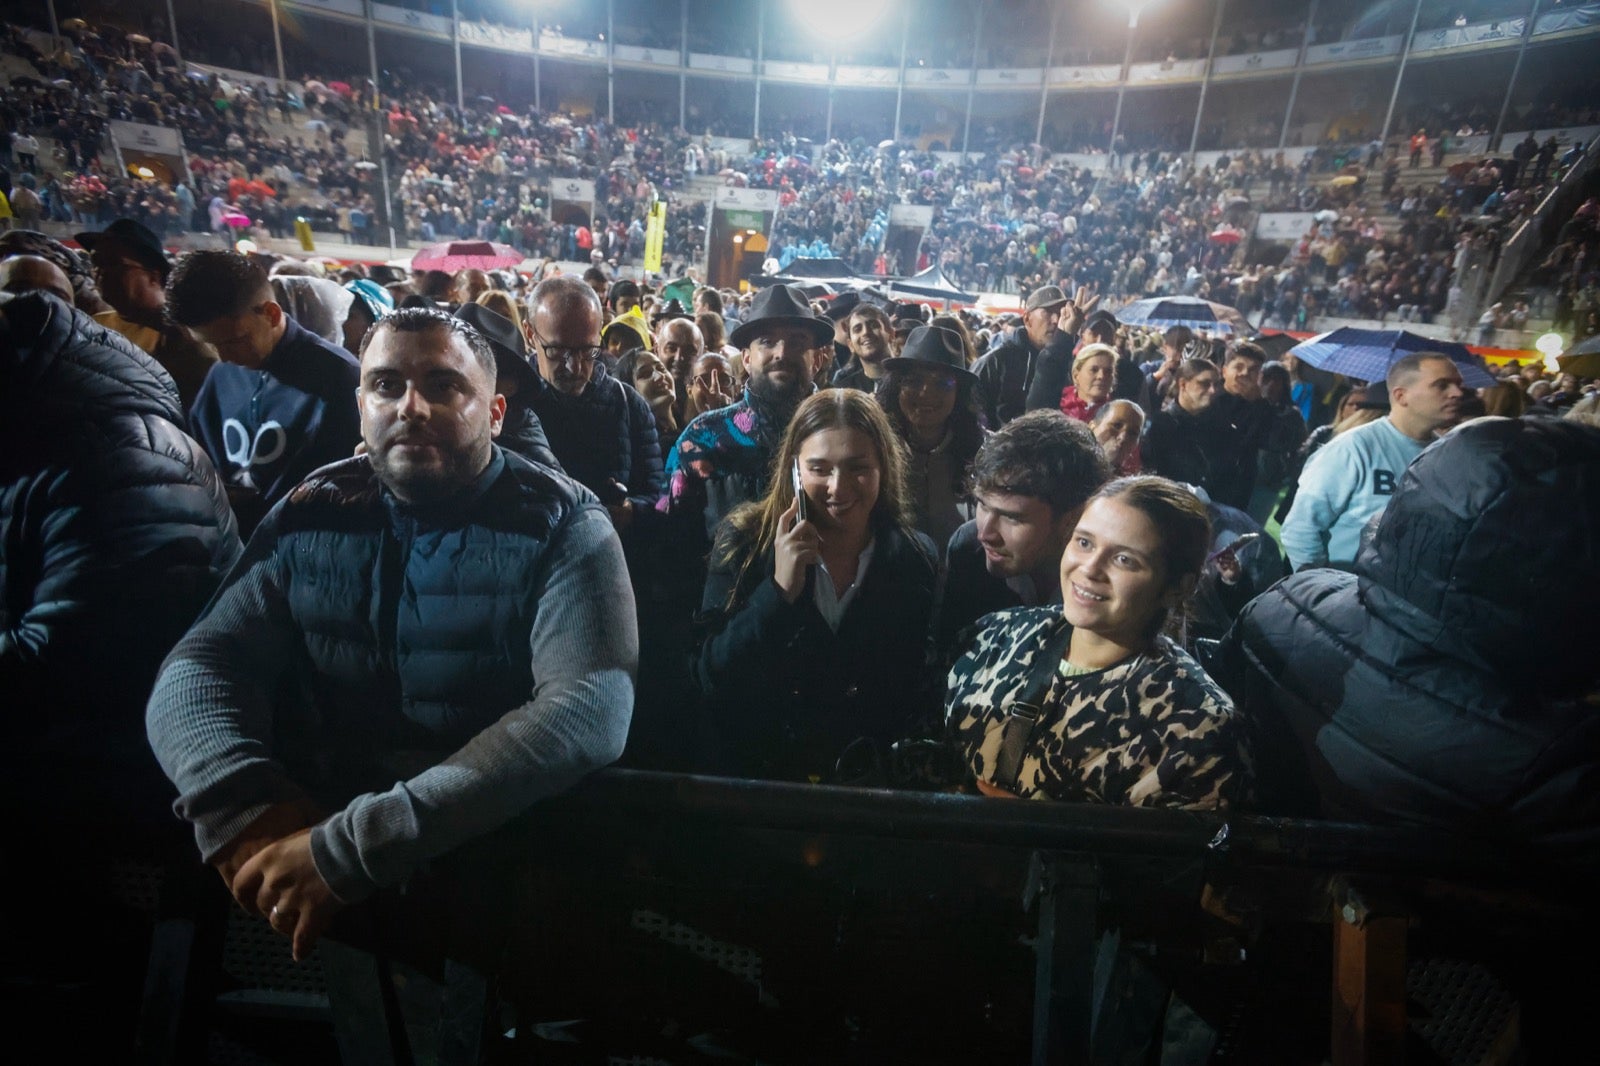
x,y
723,457
516,380
1050,319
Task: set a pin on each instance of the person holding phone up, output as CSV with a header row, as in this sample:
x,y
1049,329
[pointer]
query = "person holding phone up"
x,y
816,606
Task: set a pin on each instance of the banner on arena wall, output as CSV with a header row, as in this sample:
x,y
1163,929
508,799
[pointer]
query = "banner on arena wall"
x,y
1287,226
656,57
353,8
1577,19
783,70
1283,57
500,38
655,234
1459,36
416,20
721,64
1177,70
555,44
1105,74
571,201
731,198
1010,76
1363,48
936,76
886,76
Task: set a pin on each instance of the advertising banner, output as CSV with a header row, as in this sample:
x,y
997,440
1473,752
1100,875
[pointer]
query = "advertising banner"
x,y
1177,70
655,233
1283,57
1363,48
723,64
1284,226
500,38
846,75
782,70
415,20
1011,76
571,201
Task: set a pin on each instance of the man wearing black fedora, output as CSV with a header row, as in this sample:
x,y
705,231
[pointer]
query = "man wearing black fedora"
x,y
131,269
724,457
515,379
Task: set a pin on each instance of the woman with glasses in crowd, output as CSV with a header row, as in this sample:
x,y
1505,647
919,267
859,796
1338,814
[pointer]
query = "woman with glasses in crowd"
x,y
1116,712
929,395
817,604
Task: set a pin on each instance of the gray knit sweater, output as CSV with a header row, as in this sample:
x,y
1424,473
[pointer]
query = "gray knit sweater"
x,y
220,735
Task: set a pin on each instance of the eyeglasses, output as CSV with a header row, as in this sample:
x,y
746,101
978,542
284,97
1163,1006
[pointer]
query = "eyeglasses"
x,y
575,357
931,382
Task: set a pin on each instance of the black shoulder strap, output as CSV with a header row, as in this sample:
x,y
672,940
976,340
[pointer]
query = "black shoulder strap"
x,y
1022,714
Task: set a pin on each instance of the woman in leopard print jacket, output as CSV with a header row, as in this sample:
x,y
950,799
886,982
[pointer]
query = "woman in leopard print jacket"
x,y
1128,717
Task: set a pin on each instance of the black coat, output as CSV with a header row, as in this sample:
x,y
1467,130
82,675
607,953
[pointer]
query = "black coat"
x,y
1435,685
114,531
606,434
787,694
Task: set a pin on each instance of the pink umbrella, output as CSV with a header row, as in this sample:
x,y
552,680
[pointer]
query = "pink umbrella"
x,y
236,220
1226,235
342,88
466,255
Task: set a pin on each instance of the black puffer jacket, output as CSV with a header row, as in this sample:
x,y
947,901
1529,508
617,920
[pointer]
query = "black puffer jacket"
x,y
114,531
1440,683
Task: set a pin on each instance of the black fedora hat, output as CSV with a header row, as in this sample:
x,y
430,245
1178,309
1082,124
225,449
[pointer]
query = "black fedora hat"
x,y
933,347
779,305
840,307
138,238
670,310
505,341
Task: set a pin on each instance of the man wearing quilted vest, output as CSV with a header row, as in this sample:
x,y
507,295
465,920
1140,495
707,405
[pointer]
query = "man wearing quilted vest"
x,y
418,644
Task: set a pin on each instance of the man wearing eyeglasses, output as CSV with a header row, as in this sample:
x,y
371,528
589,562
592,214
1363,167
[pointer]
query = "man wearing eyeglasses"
x,y
601,430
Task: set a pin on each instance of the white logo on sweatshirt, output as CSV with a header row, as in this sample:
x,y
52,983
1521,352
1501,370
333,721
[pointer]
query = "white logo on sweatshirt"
x,y
269,444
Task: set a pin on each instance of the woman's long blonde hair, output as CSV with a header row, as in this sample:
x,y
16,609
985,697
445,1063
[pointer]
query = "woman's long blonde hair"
x,y
754,525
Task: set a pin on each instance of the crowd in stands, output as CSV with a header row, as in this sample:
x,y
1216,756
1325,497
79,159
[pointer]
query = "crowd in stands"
x,y
373,560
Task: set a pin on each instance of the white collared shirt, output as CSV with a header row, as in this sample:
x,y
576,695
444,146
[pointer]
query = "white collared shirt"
x,y
832,605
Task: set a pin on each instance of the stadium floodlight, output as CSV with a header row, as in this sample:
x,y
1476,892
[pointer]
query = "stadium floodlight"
x,y
1133,8
839,20
1550,344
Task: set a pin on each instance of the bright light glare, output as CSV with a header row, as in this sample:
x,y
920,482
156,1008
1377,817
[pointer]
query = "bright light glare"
x,y
1550,344
839,20
1132,7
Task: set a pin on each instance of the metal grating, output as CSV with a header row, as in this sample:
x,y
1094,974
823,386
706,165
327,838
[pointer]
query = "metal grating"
x,y
257,957
1464,1009
135,884
743,963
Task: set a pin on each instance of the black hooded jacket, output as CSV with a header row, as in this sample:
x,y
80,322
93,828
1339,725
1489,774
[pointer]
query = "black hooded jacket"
x,y
1441,683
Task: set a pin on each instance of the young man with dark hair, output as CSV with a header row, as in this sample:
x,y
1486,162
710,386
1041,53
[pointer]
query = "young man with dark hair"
x,y
282,401
1030,481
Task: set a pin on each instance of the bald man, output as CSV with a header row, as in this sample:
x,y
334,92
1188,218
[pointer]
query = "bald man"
x,y
27,273
680,345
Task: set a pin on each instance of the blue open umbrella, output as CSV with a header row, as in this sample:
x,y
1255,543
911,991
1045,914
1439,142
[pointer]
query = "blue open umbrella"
x,y
1367,354
1164,312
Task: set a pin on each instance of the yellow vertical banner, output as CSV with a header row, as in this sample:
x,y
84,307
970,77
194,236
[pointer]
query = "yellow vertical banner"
x,y
655,234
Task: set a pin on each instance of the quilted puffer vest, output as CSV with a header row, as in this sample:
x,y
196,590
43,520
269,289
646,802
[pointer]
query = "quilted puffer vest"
x,y
427,611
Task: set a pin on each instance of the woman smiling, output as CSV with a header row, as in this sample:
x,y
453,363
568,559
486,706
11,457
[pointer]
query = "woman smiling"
x,y
817,620
1088,701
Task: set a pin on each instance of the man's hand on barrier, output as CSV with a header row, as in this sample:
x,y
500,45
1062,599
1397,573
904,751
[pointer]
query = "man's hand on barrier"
x,y
275,823
281,883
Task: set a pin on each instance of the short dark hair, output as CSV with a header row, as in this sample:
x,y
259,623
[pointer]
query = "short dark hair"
x,y
1179,337
711,298
208,285
594,274
1247,350
1043,454
870,311
422,319
1403,370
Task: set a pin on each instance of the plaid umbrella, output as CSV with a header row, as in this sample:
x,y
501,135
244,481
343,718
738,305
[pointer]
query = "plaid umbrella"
x,y
466,255
1367,354
1166,311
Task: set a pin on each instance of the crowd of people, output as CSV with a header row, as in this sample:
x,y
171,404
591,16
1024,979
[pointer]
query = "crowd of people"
x,y
359,564
1003,220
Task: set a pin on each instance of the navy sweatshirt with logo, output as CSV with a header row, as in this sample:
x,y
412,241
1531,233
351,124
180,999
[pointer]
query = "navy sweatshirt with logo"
x,y
266,429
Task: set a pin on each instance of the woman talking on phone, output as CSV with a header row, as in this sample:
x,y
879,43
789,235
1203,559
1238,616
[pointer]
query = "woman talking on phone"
x,y
817,604
1088,701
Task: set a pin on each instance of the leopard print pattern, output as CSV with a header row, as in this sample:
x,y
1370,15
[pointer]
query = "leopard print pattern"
x,y
1153,731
